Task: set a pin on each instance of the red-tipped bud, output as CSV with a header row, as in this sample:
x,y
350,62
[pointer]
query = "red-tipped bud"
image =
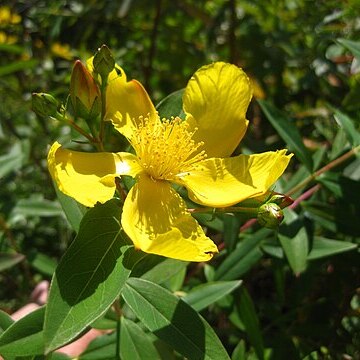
x,y
270,215
84,92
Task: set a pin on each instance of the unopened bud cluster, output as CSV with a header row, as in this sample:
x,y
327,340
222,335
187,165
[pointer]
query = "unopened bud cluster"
x,y
86,87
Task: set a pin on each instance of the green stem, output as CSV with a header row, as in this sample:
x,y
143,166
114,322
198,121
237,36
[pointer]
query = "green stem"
x,y
103,111
327,167
76,127
230,209
118,323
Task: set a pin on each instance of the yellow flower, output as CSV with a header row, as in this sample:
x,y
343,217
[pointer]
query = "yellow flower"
x,y
62,51
8,17
194,153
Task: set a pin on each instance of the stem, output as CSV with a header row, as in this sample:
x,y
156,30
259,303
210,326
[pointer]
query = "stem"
x,y
230,209
103,112
76,127
327,167
117,309
305,196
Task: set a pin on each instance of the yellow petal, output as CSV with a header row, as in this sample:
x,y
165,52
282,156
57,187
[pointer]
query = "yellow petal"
x,y
215,101
89,177
125,101
156,220
225,182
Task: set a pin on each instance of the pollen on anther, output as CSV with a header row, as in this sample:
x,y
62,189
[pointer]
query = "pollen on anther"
x,y
165,148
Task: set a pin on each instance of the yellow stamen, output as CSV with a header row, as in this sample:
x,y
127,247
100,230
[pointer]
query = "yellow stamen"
x,y
165,148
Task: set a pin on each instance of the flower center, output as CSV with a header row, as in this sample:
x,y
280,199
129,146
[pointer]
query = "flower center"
x,y
165,148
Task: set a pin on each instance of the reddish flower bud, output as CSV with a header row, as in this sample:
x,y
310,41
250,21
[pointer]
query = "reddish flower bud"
x,y
84,92
270,215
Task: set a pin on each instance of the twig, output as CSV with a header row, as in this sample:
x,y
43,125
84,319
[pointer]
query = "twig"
x,y
327,167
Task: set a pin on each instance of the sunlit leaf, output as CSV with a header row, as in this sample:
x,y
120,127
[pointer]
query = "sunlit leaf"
x,y
296,249
323,247
172,320
25,336
101,348
204,295
347,124
135,343
5,321
73,210
89,276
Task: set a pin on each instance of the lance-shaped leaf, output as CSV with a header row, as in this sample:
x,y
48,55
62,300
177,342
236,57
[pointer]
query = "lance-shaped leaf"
x,y
288,131
172,320
206,294
135,343
25,336
89,276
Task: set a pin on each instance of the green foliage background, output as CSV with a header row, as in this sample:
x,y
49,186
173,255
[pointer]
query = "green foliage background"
x,y
299,296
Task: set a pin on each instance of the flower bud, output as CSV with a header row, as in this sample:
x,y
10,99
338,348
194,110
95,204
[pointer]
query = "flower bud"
x,y
270,215
44,104
280,199
84,92
103,62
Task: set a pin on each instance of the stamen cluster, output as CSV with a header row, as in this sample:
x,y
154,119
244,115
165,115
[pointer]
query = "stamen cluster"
x,y
165,148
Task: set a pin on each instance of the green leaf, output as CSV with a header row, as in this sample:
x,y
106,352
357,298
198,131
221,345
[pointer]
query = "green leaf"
x,y
347,124
232,226
9,260
171,106
37,206
172,320
353,46
135,344
5,321
16,66
296,249
42,263
249,318
11,161
11,48
89,276
164,271
245,255
204,295
323,247
73,210
101,348
288,131
25,336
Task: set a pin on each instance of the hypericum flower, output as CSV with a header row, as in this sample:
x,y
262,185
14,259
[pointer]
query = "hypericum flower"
x,y
194,153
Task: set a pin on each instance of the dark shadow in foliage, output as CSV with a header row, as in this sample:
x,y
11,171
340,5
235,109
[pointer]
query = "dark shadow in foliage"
x,y
178,333
347,208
